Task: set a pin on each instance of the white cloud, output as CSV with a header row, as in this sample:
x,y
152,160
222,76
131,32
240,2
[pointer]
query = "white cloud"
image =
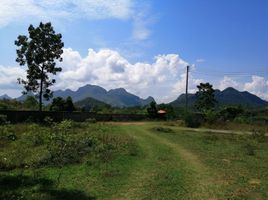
x,y
13,10
142,20
137,12
258,86
229,82
8,80
109,69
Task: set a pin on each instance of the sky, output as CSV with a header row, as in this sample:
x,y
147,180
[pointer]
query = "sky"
x,y
144,46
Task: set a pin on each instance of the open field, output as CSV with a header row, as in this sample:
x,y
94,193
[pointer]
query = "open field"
x,y
145,160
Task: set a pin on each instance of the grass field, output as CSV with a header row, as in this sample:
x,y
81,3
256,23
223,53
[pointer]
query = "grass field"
x,y
152,160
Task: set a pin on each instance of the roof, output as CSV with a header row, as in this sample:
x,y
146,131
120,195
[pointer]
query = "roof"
x,y
161,112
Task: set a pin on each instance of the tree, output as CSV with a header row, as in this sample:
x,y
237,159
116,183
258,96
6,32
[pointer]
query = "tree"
x,y
57,104
31,102
205,97
152,110
39,52
69,106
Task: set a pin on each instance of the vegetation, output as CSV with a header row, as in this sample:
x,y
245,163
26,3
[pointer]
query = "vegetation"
x,y
205,97
70,160
39,52
60,104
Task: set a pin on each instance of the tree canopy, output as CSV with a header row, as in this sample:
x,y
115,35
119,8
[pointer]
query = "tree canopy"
x,y
205,97
39,51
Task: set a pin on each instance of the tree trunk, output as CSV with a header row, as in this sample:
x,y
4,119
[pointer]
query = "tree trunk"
x,y
41,91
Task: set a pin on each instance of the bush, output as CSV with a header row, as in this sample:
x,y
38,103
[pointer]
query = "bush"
x,y
243,120
230,113
211,116
3,119
48,121
192,120
250,149
91,120
259,136
163,129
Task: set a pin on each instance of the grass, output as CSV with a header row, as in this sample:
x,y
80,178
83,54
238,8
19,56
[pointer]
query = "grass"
x,y
130,161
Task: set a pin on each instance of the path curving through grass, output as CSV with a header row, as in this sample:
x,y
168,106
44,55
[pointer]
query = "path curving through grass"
x,y
166,170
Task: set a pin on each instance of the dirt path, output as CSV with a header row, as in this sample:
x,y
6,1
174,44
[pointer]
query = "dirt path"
x,y
166,170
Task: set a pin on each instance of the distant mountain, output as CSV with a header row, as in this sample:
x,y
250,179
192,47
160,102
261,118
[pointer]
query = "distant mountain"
x,y
229,96
5,96
116,97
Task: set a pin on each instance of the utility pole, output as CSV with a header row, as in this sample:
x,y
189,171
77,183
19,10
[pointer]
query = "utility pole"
x,y
186,89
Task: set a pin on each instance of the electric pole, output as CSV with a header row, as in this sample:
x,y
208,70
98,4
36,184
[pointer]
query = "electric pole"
x,y
186,89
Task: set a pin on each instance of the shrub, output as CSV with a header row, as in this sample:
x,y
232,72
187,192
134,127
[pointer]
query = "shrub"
x,y
211,116
163,129
192,120
250,149
259,135
230,113
3,119
91,120
48,121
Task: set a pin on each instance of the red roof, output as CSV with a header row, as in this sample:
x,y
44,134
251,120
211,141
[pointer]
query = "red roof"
x,y
161,112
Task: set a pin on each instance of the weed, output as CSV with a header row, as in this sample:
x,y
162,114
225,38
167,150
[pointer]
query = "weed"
x,y
250,149
163,129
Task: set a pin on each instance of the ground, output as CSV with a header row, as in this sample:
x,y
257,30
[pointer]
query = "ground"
x,y
160,161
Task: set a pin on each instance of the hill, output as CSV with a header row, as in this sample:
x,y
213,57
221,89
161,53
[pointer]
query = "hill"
x,y
229,96
89,103
5,96
116,97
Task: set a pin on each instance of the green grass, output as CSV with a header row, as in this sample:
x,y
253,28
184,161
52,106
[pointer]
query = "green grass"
x,y
150,160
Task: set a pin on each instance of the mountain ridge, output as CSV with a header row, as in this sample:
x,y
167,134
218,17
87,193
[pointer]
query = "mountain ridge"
x,y
228,96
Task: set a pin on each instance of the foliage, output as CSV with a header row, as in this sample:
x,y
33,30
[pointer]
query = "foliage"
x,y
3,119
69,106
152,110
205,97
91,120
59,104
169,109
192,120
211,116
163,129
231,112
30,103
39,52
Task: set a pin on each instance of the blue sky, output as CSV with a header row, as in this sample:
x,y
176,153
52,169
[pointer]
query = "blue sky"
x,y
150,41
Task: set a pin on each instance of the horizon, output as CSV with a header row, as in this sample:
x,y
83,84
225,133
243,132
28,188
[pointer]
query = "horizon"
x,y
144,98
148,45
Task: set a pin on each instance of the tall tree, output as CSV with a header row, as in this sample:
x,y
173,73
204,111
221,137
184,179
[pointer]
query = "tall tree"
x,y
205,97
69,106
39,52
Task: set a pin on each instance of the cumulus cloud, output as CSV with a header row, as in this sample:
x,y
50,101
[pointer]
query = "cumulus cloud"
x,y
258,86
8,80
109,69
229,82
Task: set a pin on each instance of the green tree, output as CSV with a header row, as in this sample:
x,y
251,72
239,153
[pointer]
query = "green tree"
x,y
152,110
58,104
69,106
39,52
205,97
31,102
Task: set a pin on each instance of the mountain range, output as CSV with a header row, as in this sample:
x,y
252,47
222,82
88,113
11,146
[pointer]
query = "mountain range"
x,y
116,97
229,96
5,96
96,95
